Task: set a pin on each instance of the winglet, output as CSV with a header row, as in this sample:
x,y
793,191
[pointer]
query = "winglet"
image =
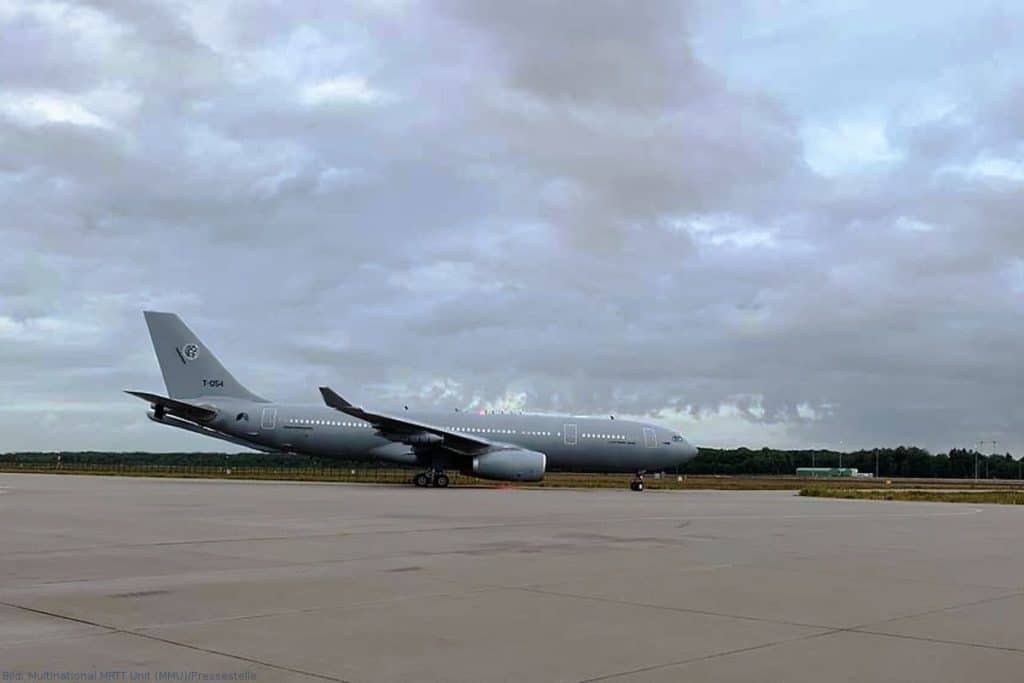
x,y
333,400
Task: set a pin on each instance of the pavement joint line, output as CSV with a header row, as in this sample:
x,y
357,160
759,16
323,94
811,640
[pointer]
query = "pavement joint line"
x,y
534,588
830,632
505,525
881,576
56,615
53,638
670,608
147,636
823,630
863,630
869,627
941,641
310,610
281,565
712,655
939,610
523,524
374,558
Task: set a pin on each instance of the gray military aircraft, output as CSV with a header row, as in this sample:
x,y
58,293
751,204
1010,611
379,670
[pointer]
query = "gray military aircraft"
x,y
206,399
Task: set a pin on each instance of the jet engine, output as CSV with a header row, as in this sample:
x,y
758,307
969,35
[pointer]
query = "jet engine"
x,y
510,464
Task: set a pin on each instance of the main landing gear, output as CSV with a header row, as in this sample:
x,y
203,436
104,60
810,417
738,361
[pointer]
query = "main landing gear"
x,y
638,482
437,479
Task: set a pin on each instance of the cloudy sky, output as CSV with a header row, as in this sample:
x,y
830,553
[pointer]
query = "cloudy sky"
x,y
770,223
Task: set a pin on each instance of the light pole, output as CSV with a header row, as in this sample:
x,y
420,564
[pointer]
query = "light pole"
x,y
981,444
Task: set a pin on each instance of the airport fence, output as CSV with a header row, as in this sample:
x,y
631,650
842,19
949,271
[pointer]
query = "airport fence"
x,y
366,473
370,475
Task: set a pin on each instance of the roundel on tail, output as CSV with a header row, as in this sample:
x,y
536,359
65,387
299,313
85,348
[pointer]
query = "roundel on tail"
x,y
190,351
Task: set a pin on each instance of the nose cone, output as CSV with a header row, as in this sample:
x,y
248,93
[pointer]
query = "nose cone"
x,y
680,452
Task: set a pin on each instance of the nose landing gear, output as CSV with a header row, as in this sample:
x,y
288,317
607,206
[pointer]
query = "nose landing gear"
x,y
638,482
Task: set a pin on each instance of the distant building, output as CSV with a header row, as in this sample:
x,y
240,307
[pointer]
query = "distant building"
x,y
831,472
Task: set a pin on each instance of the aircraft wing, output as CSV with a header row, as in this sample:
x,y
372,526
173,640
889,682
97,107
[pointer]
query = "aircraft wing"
x,y
175,407
408,431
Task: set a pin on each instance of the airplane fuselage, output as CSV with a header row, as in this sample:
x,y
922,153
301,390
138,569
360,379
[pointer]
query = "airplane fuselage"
x,y
569,442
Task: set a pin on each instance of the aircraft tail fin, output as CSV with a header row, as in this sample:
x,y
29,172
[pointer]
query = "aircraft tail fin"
x,y
189,368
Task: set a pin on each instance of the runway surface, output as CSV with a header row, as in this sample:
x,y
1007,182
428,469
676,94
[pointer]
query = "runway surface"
x,y
286,581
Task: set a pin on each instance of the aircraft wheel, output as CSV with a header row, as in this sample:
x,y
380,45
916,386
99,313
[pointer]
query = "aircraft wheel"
x,y
441,480
421,479
636,486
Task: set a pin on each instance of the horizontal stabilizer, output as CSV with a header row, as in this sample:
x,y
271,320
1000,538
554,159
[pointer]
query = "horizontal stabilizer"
x,y
176,407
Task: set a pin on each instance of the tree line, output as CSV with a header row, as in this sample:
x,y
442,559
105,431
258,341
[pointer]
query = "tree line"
x,y
903,461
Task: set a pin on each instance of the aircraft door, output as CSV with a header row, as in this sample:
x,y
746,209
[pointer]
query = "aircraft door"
x,y
570,434
650,438
268,420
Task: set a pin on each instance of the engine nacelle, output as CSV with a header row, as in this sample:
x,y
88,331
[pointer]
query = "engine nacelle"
x,y
511,464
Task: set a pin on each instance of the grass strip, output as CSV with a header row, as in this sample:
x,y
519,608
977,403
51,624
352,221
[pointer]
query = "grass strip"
x,y
996,496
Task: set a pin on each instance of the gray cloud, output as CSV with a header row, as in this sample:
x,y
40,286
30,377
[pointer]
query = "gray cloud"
x,y
774,228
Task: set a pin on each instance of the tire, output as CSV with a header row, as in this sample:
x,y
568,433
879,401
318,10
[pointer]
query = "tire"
x,y
639,486
420,480
441,481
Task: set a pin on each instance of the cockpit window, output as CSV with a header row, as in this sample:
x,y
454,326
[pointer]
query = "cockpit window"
x,y
676,437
